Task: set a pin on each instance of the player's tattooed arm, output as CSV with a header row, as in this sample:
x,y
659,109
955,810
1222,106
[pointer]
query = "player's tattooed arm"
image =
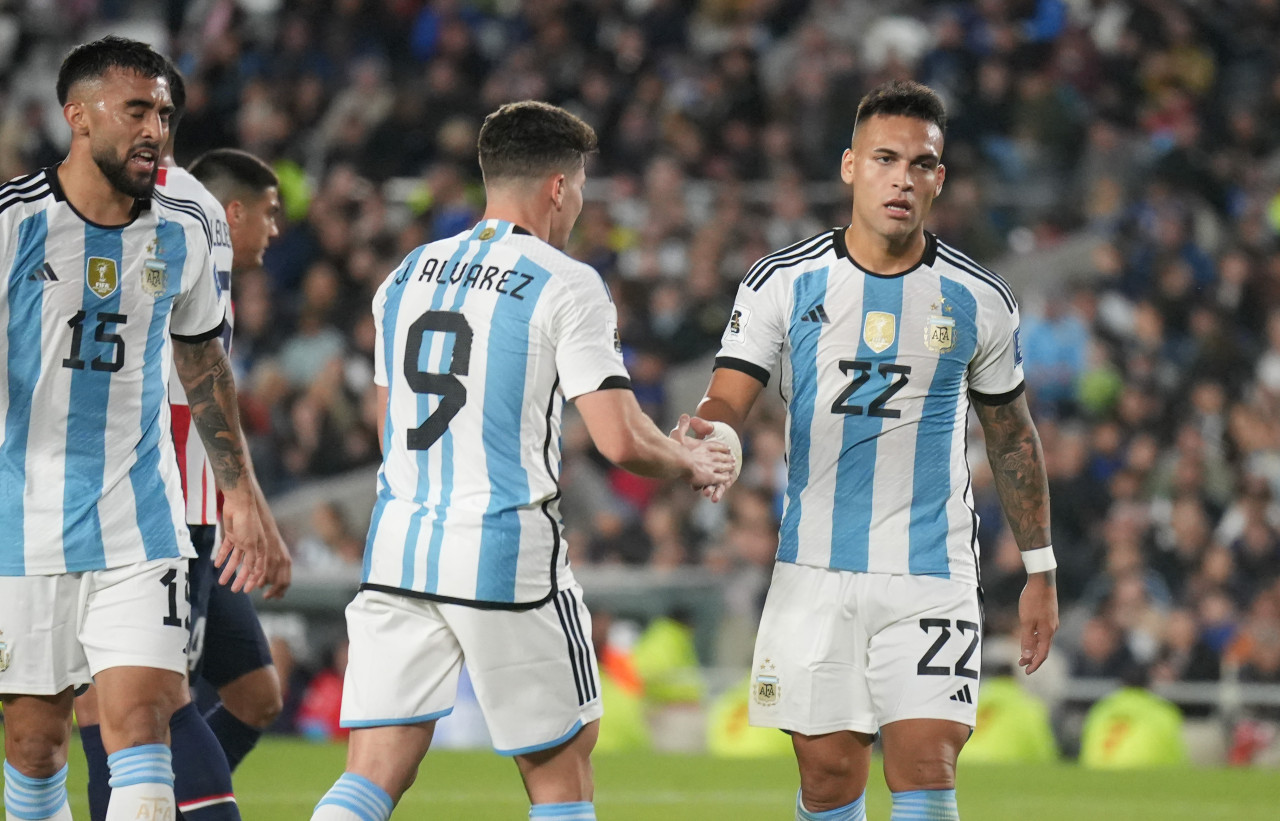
x,y
205,373
1017,462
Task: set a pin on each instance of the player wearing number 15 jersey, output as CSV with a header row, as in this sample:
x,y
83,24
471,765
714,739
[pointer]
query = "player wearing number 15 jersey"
x,y
104,287
482,338
884,338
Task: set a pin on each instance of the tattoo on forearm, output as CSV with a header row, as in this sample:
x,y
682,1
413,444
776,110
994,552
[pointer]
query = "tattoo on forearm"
x,y
1017,462
211,393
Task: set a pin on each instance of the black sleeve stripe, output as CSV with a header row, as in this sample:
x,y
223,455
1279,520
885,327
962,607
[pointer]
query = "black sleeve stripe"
x,y
204,337
612,382
36,196
813,248
965,258
749,368
784,253
982,274
999,398
191,209
22,185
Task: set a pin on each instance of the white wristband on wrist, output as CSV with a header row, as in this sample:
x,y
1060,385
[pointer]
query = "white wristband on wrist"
x,y
1039,560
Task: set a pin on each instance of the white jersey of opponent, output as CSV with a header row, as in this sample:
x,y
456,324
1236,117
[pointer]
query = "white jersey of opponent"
x,y
87,473
481,338
877,372
176,188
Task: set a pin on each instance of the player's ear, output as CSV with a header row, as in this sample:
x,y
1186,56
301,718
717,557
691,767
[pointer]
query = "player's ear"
x,y
846,166
77,116
559,182
941,177
235,213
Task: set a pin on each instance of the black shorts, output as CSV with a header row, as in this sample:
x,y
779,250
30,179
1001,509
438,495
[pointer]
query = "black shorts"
x,y
226,637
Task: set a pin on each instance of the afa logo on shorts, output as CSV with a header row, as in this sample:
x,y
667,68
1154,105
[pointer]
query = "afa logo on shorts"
x,y
6,655
766,689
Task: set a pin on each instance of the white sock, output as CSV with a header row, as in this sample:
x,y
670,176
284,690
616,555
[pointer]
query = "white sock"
x,y
36,799
332,812
142,784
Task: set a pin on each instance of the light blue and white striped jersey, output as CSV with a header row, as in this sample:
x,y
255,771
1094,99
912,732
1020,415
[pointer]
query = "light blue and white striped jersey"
x,y
877,372
480,340
88,479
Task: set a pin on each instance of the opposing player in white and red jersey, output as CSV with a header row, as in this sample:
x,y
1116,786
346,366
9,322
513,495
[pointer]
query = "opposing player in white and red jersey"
x,y
106,287
883,338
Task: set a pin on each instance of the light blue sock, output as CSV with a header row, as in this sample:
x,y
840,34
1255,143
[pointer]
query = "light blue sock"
x,y
359,795
853,811
575,811
28,798
144,764
925,805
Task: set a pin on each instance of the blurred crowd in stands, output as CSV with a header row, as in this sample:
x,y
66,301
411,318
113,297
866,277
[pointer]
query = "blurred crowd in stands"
x,y
1150,126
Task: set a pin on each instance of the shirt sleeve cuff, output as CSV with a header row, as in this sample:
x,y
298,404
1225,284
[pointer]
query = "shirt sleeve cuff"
x,y
749,368
204,337
999,398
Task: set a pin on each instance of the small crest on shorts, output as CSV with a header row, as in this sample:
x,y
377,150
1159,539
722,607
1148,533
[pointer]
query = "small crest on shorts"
x,y
6,655
766,689
879,330
101,275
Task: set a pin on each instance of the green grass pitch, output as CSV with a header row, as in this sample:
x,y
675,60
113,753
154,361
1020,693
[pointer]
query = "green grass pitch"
x,y
283,779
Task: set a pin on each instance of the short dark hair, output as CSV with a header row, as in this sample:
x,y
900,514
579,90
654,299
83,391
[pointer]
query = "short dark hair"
x,y
90,61
903,98
177,93
231,174
530,139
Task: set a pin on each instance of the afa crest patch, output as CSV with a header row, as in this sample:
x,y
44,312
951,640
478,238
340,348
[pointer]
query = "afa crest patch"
x,y
6,654
766,689
102,276
155,278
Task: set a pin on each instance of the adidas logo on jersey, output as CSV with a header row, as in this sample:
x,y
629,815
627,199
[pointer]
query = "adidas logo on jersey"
x,y
43,274
818,314
963,695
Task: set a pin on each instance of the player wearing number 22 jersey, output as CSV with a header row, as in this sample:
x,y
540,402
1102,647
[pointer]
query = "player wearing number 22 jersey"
x,y
884,366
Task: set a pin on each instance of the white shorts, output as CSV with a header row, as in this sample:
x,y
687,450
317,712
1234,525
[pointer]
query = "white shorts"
x,y
855,651
534,671
60,631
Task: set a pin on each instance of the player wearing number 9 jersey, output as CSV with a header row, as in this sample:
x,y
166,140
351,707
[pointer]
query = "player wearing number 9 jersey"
x,y
884,337
481,339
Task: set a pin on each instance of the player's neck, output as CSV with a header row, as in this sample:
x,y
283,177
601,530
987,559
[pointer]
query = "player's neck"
x,y
883,255
519,212
90,193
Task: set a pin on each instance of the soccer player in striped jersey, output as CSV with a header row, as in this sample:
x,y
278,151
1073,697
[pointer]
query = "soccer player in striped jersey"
x,y
482,337
105,288
228,648
883,337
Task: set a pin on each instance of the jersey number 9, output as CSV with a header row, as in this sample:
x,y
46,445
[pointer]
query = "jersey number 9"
x,y
452,393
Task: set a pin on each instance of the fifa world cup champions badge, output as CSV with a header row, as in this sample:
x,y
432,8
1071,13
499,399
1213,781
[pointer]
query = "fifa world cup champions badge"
x,y
940,329
766,687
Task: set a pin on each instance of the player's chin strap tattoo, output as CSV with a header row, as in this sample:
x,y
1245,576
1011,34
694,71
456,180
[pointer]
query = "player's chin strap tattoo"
x,y
1017,463
205,372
